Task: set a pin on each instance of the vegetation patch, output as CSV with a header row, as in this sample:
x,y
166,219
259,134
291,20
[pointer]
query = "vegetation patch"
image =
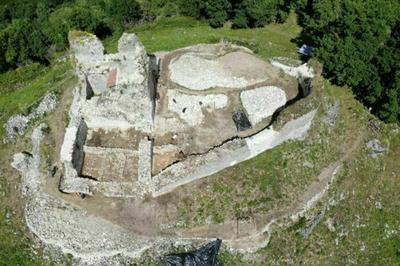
x,y
21,99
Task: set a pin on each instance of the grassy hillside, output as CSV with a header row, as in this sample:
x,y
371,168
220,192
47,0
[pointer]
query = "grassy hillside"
x,y
21,89
363,203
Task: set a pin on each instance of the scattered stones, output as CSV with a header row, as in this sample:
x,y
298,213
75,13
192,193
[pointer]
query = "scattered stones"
x,y
22,161
332,114
18,123
376,148
378,205
330,225
305,232
308,164
28,163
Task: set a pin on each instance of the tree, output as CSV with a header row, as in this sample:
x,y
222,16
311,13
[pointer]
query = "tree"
x,y
192,8
75,17
127,12
254,13
358,44
217,12
21,42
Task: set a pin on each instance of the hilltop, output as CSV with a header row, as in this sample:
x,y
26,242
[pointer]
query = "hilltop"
x,y
328,196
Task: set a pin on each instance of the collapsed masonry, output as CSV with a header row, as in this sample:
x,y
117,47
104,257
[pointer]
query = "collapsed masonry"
x,y
114,97
145,124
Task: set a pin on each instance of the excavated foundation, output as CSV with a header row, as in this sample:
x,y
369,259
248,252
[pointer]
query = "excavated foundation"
x,y
143,125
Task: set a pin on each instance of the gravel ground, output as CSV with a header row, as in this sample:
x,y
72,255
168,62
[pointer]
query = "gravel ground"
x,y
262,102
198,71
189,107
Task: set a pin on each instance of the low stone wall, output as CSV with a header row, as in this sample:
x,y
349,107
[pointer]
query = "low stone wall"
x,y
72,148
145,160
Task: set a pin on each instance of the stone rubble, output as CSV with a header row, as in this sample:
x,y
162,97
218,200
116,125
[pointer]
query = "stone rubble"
x,y
17,124
376,148
262,102
332,114
27,163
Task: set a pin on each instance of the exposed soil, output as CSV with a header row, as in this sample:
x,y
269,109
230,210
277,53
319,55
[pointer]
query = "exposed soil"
x,y
218,125
243,64
153,217
114,138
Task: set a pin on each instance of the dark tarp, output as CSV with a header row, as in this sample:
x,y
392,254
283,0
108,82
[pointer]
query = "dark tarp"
x,y
241,121
204,256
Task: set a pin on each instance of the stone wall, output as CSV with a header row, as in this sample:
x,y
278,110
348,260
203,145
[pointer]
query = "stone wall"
x,y
145,160
128,104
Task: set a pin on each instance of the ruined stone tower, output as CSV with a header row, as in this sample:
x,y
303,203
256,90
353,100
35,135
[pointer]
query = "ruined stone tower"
x,y
107,145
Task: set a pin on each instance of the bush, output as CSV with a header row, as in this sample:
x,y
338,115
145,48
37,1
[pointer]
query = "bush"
x,y
192,8
75,17
126,12
217,12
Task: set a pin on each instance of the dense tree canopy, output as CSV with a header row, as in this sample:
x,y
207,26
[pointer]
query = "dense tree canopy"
x,y
30,29
358,42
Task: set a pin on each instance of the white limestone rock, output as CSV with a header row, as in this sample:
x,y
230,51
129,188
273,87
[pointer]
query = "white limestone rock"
x,y
17,124
302,71
98,83
87,48
124,108
134,60
262,102
202,71
189,107
145,161
22,161
129,43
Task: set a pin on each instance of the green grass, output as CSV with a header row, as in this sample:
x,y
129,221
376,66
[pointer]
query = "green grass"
x,y
20,77
171,33
35,83
15,246
365,235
